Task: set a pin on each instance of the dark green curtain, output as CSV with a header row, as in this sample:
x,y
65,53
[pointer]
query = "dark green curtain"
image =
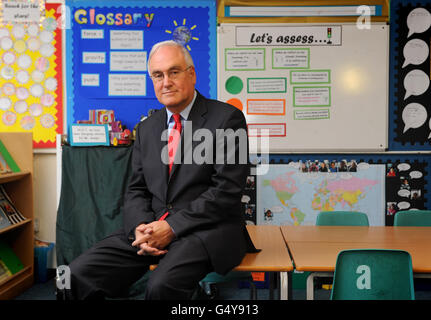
x,y
93,183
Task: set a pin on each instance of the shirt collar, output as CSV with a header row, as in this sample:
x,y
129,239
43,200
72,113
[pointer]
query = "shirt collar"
x,y
185,113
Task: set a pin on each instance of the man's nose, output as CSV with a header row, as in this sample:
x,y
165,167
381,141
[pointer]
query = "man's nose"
x,y
166,80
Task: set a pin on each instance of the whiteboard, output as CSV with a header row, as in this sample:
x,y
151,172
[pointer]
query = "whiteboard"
x,y
307,87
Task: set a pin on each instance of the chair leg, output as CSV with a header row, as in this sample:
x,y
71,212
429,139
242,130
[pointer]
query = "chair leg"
x,y
253,291
310,286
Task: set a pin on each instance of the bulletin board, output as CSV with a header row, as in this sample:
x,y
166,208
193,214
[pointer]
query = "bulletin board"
x,y
108,44
410,64
31,70
308,87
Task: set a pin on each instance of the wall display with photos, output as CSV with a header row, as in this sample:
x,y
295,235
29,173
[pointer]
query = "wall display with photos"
x,y
410,116
296,188
108,44
308,87
31,71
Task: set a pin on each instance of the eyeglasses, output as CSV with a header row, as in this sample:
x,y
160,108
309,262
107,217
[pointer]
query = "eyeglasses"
x,y
172,74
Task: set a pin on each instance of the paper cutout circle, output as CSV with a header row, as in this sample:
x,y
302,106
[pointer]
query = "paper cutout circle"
x,y
7,73
20,106
47,100
236,103
8,89
46,36
27,122
49,24
51,84
35,109
9,57
42,64
33,44
47,121
4,32
18,31
22,93
47,50
6,43
36,90
22,76
234,85
37,76
24,61
33,30
20,46
5,103
9,118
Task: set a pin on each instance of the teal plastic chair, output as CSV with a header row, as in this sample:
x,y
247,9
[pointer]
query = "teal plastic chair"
x,y
342,218
413,218
373,274
333,218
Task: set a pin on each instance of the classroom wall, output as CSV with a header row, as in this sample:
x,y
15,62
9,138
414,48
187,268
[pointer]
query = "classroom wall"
x,y
45,202
45,190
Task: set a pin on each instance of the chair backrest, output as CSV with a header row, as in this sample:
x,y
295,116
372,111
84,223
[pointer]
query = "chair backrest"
x,y
342,218
373,274
413,218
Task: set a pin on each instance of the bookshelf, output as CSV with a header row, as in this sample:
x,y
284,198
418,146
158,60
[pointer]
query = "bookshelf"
x,y
19,237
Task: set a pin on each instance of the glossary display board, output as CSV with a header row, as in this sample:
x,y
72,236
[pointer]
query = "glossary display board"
x,y
307,87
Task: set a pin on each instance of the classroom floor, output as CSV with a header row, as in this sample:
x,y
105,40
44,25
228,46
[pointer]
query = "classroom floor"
x,y
227,291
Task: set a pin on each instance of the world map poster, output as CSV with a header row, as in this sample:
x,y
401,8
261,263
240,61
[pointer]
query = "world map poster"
x,y
288,196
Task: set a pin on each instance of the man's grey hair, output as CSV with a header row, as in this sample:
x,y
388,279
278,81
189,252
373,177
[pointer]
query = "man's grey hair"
x,y
171,43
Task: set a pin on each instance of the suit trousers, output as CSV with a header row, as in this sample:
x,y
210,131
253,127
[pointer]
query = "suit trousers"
x,y
112,265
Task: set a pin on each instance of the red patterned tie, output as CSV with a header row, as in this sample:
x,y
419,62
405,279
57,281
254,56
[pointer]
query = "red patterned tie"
x,y
174,139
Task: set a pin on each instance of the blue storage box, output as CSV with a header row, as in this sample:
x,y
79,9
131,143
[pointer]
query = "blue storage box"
x,y
41,254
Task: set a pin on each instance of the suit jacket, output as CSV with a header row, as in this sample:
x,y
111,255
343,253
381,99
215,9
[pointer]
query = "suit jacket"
x,y
203,199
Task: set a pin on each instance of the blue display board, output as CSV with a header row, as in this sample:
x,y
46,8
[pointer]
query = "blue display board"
x,y
108,43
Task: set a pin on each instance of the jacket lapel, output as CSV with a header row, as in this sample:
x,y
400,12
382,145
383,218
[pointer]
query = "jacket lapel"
x,y
159,129
195,121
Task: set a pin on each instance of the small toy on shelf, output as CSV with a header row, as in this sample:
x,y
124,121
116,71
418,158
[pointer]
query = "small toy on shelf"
x,y
119,135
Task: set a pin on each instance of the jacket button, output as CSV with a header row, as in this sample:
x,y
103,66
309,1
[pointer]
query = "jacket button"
x,y
169,206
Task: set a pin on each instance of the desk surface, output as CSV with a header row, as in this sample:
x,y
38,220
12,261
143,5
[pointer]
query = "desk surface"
x,y
357,234
274,255
315,248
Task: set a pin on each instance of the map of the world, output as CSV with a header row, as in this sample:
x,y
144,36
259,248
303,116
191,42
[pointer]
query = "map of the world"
x,y
287,196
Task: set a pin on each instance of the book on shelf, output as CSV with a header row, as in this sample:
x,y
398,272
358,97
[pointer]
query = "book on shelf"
x,y
4,271
4,220
10,259
7,163
7,206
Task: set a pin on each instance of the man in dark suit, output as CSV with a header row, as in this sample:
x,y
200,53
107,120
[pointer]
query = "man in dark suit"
x,y
186,216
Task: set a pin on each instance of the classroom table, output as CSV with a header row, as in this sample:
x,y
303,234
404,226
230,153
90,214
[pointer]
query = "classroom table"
x,y
273,258
315,248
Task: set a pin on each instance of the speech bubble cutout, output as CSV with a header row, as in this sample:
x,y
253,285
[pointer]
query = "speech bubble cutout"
x,y
403,205
403,167
415,52
245,199
416,82
414,115
418,21
277,209
429,125
416,174
363,166
404,193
